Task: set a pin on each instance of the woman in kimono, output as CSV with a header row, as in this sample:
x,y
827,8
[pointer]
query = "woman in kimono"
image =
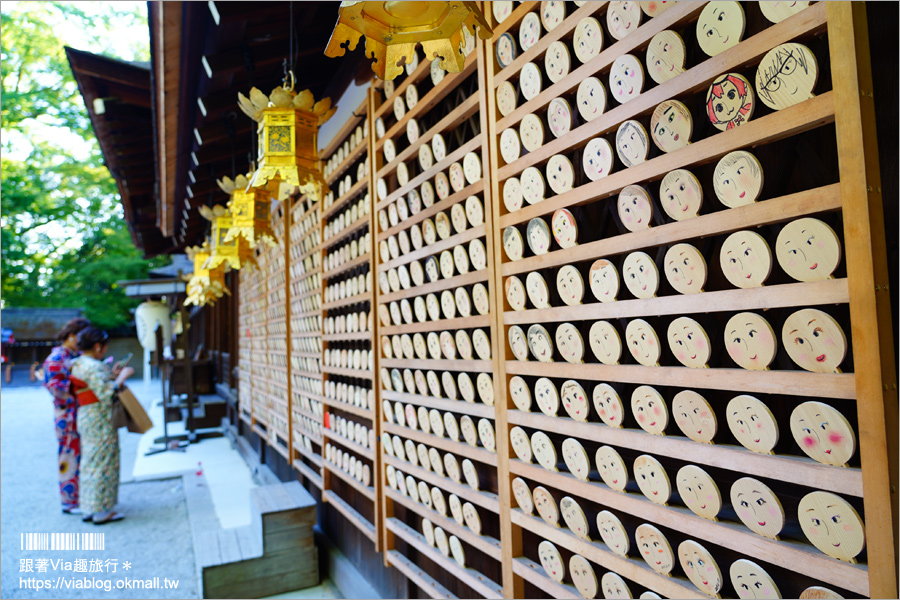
x,y
57,368
94,385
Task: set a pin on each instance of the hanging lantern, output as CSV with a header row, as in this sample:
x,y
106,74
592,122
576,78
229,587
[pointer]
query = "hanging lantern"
x,y
393,29
288,151
249,211
235,253
204,285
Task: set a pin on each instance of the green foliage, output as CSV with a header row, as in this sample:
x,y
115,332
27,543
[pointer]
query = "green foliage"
x,y
64,241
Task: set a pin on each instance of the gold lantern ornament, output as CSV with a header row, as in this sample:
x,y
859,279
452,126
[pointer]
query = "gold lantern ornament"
x,y
234,253
249,208
288,126
393,29
204,285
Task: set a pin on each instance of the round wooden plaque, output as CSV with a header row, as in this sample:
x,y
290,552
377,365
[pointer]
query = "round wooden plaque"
x,y
699,492
546,506
823,433
752,424
506,100
814,341
574,517
533,185
641,275
515,293
689,342
512,194
576,459
570,285
738,179
700,566
623,18
685,269
530,81
612,583
552,14
681,195
551,561
591,98
808,249
512,243
588,39
523,495
653,8
531,132
605,343
520,393
613,533
751,581
786,76
746,259
757,507
643,343
510,145
546,396
776,12
570,343
666,56
750,341
538,292
720,27
544,451
632,143
649,408
517,343
612,468
559,115
626,78
694,416
540,343
671,125
557,61
652,479
521,444
730,101
529,31
583,576
506,50
604,280
655,548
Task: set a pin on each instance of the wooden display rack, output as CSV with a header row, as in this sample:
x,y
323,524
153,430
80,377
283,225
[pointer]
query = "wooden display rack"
x,y
820,161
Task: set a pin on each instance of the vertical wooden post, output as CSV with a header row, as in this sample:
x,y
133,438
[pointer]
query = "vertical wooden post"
x,y
870,311
510,533
286,222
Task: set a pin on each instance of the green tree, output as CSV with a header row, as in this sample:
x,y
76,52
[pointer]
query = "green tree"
x,y
64,240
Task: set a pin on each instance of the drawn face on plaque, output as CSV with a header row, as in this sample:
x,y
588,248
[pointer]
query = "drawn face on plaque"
x,y
576,458
635,208
480,298
614,586
597,159
685,269
552,14
730,101
786,76
622,18
520,393
463,304
471,169
510,145
694,416
700,567
557,61
720,26
531,132
653,8
655,548
591,98
506,50
473,521
486,435
823,433
832,525
512,244
523,495
751,581
570,343
738,179
652,479
448,345
613,533
583,576
689,342
752,424
757,507
574,517
515,292
466,387
650,410
608,405
808,249
538,236
540,343
777,12
532,185
814,341
546,506
538,292
671,126
605,343
626,78
521,444
560,174
517,343
746,259
570,285
530,81
641,275
699,492
546,396
565,230
681,195
551,561
611,467
642,342
665,56
506,101
632,144
485,384
750,341
411,419
544,451
588,39
604,280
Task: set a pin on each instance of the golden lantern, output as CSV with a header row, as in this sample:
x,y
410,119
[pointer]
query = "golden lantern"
x,y
204,285
234,253
249,211
393,29
288,151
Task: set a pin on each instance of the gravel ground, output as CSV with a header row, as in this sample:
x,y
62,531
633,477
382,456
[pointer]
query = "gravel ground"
x,y
154,538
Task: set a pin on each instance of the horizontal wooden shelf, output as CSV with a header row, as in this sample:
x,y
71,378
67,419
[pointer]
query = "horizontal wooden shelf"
x,y
794,469
803,558
484,543
440,285
481,366
346,232
309,374
423,580
357,336
460,113
305,333
533,573
436,248
362,259
365,413
802,383
310,395
343,134
315,439
315,312
442,443
306,354
349,301
475,409
310,474
467,576
801,117
351,514
767,212
365,490
357,373
439,325
473,189
634,569
349,444
486,500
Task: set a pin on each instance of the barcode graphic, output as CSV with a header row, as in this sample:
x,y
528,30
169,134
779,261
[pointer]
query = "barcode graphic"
x,y
63,541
